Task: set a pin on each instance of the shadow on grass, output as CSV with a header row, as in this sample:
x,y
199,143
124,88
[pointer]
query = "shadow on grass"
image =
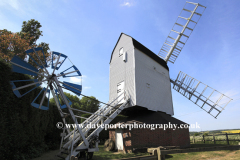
x,y
104,155
168,156
206,145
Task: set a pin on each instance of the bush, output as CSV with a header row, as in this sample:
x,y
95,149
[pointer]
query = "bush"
x,y
205,134
196,134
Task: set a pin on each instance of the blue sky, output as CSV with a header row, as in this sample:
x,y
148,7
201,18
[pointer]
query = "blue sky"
x,y
87,32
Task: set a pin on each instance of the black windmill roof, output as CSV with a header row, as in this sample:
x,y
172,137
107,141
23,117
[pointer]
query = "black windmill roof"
x,y
145,50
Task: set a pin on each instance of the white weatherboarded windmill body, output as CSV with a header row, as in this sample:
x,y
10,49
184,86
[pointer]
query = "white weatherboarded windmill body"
x,y
145,76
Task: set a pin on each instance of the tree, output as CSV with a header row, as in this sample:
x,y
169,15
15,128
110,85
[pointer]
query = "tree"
x,y
13,44
32,28
74,99
90,104
196,134
17,43
205,134
33,32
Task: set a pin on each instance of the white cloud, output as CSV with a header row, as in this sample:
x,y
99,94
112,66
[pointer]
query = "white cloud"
x,y
23,8
75,79
128,4
12,3
87,88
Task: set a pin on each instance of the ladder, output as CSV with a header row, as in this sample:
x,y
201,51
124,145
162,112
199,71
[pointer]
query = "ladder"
x,y
80,141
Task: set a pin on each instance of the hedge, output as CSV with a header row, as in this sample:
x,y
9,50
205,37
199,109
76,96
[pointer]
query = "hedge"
x,y
25,132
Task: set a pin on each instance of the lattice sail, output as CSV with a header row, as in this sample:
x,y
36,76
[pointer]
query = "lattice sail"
x,y
207,98
181,31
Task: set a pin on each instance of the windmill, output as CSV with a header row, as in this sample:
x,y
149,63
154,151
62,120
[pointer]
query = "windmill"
x,y
75,143
144,75
79,142
207,98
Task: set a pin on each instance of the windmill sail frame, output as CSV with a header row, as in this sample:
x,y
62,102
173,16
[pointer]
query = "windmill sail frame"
x,y
190,88
177,38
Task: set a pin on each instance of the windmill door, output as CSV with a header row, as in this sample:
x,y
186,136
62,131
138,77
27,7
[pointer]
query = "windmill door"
x,y
119,139
120,90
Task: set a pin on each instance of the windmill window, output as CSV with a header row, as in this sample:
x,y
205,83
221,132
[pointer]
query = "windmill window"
x,y
120,51
119,90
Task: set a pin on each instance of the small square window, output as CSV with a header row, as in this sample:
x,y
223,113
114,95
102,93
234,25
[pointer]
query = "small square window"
x,y
119,90
121,51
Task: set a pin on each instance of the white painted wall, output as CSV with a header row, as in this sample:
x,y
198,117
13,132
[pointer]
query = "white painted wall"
x,y
122,71
153,87
147,87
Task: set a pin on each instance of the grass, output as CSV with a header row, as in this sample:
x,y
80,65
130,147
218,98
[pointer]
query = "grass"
x,y
104,155
100,155
198,139
214,155
199,145
210,155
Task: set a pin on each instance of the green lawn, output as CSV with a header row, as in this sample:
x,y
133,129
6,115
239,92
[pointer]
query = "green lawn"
x,y
210,155
224,154
198,139
105,155
100,155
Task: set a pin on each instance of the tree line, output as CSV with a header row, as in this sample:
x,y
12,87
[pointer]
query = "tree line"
x,y
27,132
17,43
